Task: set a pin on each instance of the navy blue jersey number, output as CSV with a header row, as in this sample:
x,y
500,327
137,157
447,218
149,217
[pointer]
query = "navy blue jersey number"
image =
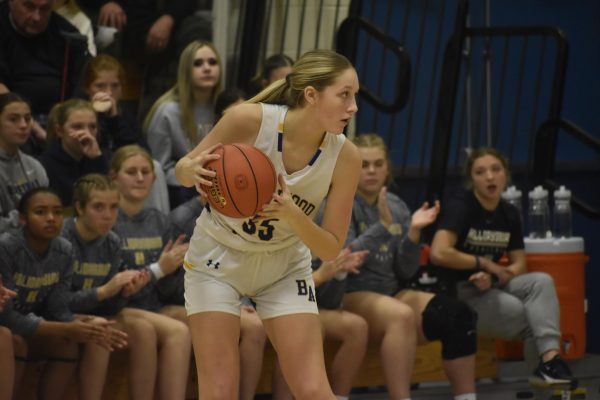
x,y
264,230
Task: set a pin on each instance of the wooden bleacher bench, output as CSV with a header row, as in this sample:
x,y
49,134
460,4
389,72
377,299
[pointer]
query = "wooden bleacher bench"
x,y
428,364
428,367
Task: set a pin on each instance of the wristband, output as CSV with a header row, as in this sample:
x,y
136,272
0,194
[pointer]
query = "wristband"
x,y
341,275
156,270
477,263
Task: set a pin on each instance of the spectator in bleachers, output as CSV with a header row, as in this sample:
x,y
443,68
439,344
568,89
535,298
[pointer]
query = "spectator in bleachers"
x,y
276,67
37,263
147,237
144,24
476,229
103,79
19,172
146,42
102,288
7,352
73,149
98,287
182,116
41,57
401,318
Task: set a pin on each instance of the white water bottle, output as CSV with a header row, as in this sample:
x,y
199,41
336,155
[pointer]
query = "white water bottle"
x,y
562,217
539,214
513,196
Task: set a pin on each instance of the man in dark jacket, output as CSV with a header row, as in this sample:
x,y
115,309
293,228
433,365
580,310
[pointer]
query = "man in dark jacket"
x,y
41,56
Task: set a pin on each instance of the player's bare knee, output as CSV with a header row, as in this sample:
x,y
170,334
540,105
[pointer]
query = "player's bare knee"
x,y
404,315
453,323
356,328
311,391
139,329
180,332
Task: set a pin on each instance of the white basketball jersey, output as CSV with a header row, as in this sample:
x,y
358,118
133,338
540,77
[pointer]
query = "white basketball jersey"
x,y
308,188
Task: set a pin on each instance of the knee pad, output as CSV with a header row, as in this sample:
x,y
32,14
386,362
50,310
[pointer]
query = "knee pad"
x,y
453,323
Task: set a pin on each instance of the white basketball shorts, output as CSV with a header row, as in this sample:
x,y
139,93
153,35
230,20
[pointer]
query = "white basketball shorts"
x,y
279,282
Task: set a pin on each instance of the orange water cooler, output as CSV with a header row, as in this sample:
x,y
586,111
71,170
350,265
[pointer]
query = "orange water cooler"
x,y
563,259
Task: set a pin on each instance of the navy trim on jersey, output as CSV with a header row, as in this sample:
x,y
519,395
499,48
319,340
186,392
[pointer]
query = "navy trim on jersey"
x,y
317,154
280,147
279,141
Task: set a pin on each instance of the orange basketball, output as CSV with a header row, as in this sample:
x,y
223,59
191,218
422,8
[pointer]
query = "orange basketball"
x,y
244,183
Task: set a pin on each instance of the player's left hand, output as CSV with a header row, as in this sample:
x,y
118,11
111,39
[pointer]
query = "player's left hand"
x,y
282,206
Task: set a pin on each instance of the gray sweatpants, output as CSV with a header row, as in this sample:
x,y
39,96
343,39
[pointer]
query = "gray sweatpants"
x,y
526,308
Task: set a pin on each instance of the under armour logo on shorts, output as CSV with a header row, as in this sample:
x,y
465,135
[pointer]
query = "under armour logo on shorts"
x,y
212,265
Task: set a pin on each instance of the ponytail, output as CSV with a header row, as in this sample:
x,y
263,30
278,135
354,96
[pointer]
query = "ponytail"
x,y
316,68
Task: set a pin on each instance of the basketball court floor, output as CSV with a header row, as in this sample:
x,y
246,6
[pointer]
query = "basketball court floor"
x,y
511,384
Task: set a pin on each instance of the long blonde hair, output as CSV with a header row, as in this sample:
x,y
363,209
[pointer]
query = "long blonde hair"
x,y
316,68
182,91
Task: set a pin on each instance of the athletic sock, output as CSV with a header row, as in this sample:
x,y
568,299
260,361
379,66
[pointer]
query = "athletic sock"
x,y
341,397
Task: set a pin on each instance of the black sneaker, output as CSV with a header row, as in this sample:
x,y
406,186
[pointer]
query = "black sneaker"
x,y
551,373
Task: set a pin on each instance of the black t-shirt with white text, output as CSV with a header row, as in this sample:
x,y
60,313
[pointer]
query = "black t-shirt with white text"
x,y
481,232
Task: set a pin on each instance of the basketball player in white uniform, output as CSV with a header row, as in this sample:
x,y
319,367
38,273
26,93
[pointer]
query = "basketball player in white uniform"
x,y
299,125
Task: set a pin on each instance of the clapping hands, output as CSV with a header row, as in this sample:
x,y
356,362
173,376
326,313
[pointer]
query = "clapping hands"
x,y
5,295
425,215
346,262
172,255
88,328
